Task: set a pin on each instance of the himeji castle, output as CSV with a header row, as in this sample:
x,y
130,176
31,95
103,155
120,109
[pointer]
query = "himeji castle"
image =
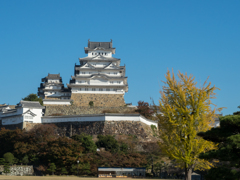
x,y
99,77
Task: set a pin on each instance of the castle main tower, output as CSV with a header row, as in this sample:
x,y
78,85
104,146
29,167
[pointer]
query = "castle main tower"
x,y
99,77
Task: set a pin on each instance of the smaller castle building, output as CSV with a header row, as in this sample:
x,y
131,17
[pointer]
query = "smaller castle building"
x,y
53,92
25,111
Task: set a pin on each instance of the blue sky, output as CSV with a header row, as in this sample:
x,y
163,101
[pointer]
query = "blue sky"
x,y
48,36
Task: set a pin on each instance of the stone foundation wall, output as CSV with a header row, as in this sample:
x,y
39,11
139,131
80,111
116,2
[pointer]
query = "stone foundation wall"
x,y
142,131
18,170
77,110
102,100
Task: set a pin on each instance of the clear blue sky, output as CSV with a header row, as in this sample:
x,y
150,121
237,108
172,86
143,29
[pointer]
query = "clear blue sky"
x,y
48,36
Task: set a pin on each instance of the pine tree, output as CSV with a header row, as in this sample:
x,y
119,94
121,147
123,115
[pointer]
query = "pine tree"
x,y
52,168
185,111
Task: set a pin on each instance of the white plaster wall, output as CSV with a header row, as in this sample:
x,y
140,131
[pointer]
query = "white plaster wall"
x,y
53,80
148,122
90,91
109,54
12,120
98,118
56,102
72,119
35,119
122,118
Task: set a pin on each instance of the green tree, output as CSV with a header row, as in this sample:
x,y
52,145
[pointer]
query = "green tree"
x,y
52,168
185,111
86,142
25,159
108,142
64,170
9,158
2,161
6,168
33,97
227,136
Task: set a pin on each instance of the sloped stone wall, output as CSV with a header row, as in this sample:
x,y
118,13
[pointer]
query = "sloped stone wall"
x,y
142,131
76,110
102,100
18,170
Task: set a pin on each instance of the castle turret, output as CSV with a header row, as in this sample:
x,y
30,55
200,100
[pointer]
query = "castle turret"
x,y
52,90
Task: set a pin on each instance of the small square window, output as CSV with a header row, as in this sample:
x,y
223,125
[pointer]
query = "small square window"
x,y
86,89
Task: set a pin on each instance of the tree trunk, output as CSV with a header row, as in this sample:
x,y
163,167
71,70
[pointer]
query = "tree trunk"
x,y
188,172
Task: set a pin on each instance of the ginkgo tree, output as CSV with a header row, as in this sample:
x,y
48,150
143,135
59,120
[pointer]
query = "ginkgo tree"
x,y
186,109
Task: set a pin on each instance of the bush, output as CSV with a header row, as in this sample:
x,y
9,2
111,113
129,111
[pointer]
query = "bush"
x,y
91,104
86,142
9,157
144,109
108,142
110,111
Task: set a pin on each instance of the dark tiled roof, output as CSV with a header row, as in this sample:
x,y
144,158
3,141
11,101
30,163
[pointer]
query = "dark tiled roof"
x,y
99,45
53,76
105,45
110,59
30,104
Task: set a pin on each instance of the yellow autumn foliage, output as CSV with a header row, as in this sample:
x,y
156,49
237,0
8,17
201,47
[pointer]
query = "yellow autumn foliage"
x,y
185,111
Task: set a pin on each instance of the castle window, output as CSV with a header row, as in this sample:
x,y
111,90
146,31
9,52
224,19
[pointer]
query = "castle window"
x,y
86,89
99,53
93,89
80,89
119,82
114,89
108,89
95,53
115,73
92,53
83,72
100,89
105,53
102,53
111,82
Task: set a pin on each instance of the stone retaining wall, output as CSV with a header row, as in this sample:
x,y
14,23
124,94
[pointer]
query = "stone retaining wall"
x,y
18,170
105,100
142,131
76,110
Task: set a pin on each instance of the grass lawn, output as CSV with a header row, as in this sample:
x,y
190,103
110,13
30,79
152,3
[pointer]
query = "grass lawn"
x,y
56,177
